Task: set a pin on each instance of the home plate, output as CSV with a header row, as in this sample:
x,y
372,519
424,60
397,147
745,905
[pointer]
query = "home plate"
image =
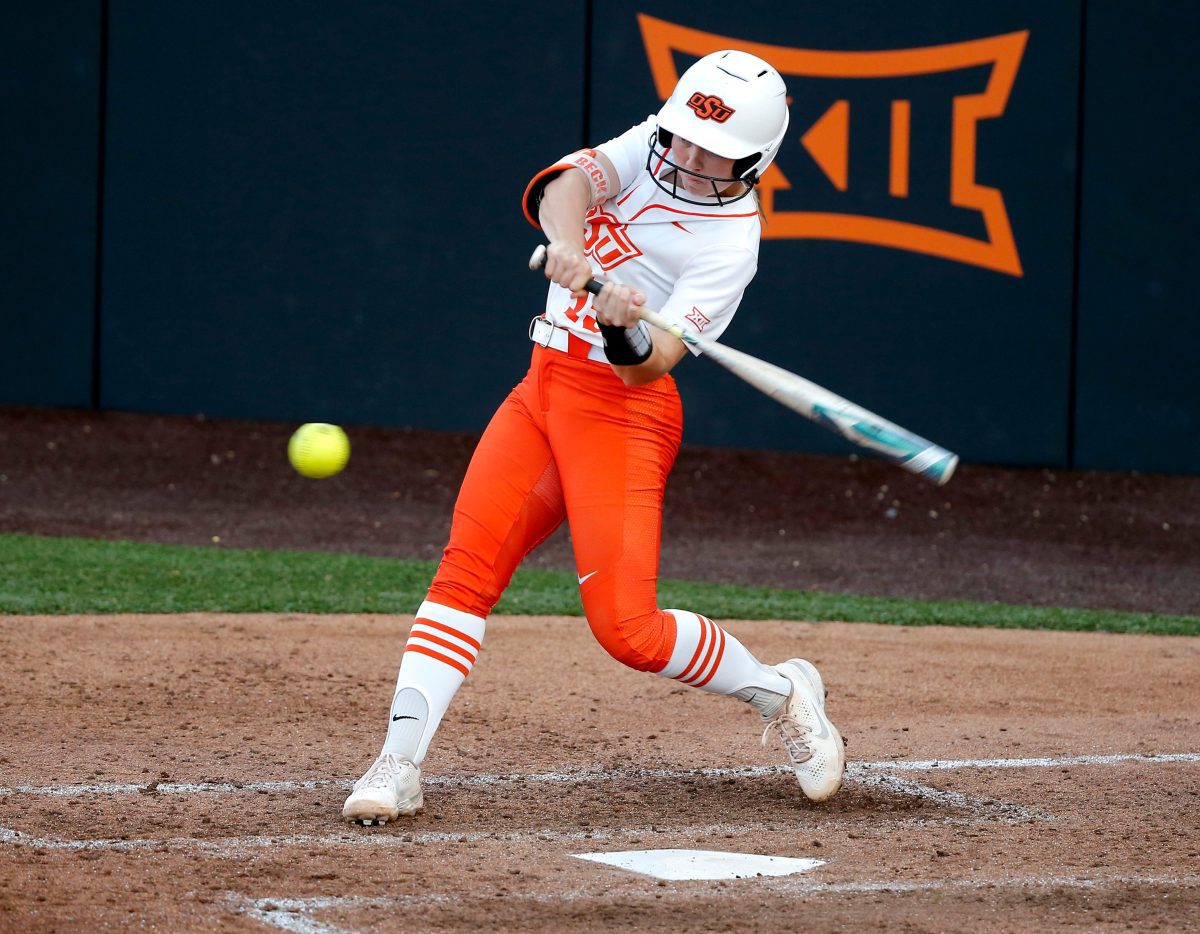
x,y
702,864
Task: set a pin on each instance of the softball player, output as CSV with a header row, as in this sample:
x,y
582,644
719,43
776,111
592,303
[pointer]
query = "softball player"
x,y
666,211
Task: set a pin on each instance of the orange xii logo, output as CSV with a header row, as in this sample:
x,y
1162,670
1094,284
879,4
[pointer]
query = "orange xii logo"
x,y
903,223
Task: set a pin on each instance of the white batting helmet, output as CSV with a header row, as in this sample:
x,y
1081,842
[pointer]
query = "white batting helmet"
x,y
734,105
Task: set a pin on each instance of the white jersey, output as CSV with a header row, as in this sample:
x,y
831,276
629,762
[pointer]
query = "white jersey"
x,y
692,262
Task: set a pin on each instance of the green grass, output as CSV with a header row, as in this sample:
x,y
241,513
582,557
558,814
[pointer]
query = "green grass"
x,y
63,575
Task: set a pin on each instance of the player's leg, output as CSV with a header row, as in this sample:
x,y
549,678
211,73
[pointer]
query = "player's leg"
x,y
790,697
510,501
614,504
615,447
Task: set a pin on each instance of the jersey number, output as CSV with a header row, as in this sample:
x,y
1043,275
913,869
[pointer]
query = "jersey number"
x,y
589,323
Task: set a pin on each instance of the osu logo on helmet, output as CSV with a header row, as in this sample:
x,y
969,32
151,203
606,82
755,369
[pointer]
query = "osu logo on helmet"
x,y
709,107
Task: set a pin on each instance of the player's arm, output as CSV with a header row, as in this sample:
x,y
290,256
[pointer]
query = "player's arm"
x,y
707,293
564,205
668,350
557,200
639,354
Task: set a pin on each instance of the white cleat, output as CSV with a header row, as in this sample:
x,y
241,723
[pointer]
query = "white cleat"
x,y
391,787
811,741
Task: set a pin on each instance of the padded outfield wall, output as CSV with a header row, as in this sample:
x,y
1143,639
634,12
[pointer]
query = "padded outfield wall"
x,y
981,223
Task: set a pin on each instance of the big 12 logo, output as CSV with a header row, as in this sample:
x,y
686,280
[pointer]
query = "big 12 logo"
x,y
904,222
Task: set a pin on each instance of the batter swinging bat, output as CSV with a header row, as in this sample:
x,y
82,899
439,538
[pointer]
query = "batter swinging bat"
x,y
910,451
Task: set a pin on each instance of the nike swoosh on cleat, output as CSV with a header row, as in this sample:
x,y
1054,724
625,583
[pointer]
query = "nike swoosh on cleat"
x,y
398,717
584,578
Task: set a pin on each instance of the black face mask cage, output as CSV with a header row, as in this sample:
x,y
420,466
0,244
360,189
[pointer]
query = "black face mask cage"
x,y
656,158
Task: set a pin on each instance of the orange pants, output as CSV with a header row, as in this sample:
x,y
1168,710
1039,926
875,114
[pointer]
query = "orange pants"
x,y
572,441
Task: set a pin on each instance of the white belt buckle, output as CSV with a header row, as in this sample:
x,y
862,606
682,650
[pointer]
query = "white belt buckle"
x,y
545,334
541,331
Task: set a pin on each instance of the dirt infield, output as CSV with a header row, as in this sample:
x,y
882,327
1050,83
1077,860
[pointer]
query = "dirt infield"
x,y
187,773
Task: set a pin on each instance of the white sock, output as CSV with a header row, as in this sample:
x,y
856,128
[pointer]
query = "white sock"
x,y
707,657
439,655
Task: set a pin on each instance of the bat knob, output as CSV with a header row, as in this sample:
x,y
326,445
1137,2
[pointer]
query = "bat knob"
x,y
538,257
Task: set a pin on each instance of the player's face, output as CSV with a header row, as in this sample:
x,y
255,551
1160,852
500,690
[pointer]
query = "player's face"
x,y
691,158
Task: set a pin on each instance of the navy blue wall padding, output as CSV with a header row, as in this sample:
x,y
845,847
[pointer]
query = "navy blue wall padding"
x,y
311,212
314,209
48,168
1138,387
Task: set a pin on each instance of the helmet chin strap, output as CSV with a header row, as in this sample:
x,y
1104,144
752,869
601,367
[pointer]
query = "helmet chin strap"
x,y
721,187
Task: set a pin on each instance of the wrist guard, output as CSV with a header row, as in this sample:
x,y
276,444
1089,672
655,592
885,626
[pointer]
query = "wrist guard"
x,y
627,346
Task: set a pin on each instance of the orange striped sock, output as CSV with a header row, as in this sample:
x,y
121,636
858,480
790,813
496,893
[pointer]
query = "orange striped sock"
x,y
441,651
705,656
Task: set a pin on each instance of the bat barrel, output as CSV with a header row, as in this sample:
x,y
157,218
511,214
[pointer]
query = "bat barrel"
x,y
934,463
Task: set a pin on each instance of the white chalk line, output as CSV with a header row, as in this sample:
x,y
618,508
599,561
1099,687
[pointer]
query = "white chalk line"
x,y
171,788
238,847
295,914
296,923
867,774
982,807
855,771
289,920
814,887
1040,762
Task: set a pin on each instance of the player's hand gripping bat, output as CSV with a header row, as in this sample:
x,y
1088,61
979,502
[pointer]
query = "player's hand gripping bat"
x,y
912,452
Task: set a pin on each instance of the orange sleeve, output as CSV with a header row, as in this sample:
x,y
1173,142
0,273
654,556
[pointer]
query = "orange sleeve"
x,y
533,191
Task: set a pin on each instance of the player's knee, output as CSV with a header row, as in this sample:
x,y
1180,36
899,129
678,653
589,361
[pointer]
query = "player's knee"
x,y
465,582
637,640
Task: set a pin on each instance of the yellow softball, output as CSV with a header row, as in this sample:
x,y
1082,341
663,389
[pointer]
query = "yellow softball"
x,y
318,450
